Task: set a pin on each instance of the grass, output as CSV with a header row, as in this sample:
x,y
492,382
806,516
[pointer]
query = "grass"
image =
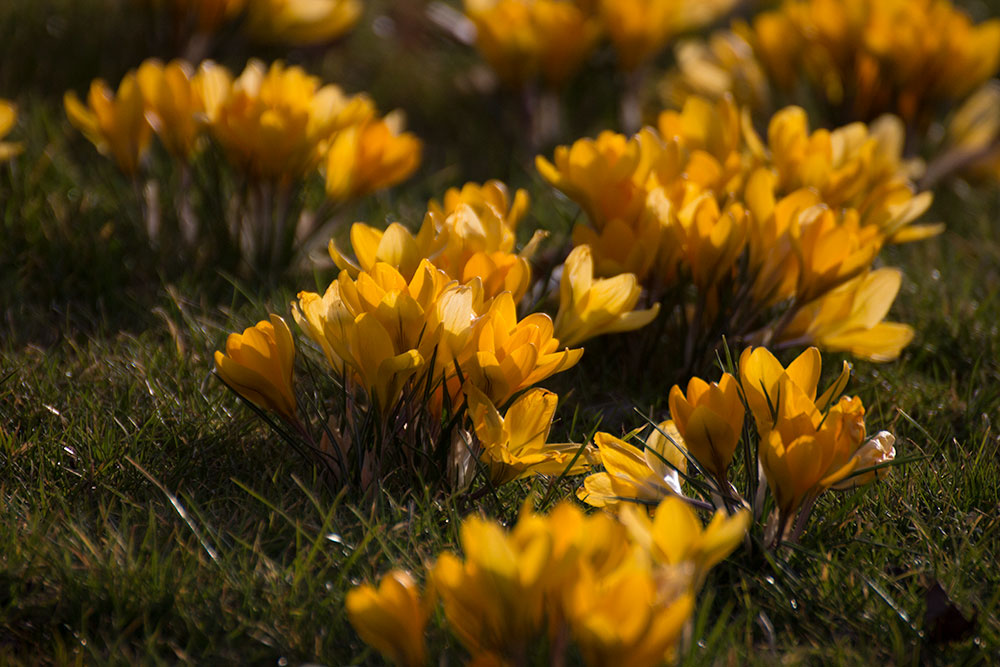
x,y
149,518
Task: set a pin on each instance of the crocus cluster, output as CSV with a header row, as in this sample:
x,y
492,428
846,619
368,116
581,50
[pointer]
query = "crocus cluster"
x,y
777,235
276,126
524,40
274,123
807,442
293,22
618,592
425,327
863,57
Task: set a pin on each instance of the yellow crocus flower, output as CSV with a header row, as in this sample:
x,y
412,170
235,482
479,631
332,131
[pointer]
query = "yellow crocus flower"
x,y
301,22
114,122
173,104
276,122
493,195
646,474
675,535
606,175
257,364
494,599
370,156
712,240
850,318
8,116
391,618
522,39
710,420
515,445
633,615
831,251
762,377
639,29
589,307
510,355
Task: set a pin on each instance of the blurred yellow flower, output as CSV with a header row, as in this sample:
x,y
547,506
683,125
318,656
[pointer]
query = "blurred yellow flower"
x,y
207,15
391,618
276,123
114,122
645,474
710,420
493,196
639,29
494,599
590,307
515,445
173,104
522,39
676,536
850,318
370,156
257,364
301,22
8,116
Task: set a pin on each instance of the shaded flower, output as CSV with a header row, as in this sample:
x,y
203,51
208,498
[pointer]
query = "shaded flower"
x,y
710,420
257,364
515,445
8,116
173,105
391,618
114,122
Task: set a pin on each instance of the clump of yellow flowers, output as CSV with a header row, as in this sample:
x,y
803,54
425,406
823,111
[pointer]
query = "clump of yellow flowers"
x,y
806,442
863,58
776,234
276,125
618,592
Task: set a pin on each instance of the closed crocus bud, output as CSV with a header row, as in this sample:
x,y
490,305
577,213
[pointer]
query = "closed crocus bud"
x,y
257,364
392,618
710,419
880,449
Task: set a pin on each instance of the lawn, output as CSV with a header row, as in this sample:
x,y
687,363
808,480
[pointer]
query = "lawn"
x,y
149,516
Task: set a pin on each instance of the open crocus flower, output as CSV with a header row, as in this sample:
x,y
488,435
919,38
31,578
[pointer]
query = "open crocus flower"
x,y
8,116
515,445
301,22
606,175
589,307
276,122
257,364
850,318
646,475
710,420
761,375
509,355
675,535
173,105
369,157
391,618
491,194
377,325
114,122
